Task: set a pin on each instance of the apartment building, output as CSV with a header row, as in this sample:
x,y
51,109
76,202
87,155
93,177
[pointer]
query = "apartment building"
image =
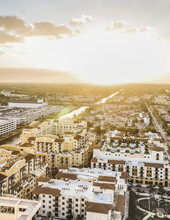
x,y
15,208
35,129
70,150
150,168
67,125
89,193
7,126
19,174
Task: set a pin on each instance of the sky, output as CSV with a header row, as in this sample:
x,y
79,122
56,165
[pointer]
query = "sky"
x,y
99,41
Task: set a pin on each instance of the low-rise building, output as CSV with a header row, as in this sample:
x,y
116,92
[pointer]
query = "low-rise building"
x,y
18,209
90,193
151,168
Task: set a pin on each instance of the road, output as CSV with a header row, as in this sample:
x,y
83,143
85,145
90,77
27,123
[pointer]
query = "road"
x,y
159,127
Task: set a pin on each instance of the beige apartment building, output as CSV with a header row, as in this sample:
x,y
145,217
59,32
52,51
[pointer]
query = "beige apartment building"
x,y
35,129
19,174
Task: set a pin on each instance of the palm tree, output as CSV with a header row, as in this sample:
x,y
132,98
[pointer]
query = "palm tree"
x,y
161,190
166,206
152,190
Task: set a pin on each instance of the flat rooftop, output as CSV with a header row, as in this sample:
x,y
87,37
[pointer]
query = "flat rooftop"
x,y
79,188
30,206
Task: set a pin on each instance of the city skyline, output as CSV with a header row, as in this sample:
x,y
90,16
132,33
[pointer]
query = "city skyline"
x,y
94,42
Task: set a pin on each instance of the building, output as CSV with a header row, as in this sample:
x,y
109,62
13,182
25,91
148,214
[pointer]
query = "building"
x,y
67,125
35,129
19,173
7,126
18,209
70,150
22,104
25,116
149,168
90,193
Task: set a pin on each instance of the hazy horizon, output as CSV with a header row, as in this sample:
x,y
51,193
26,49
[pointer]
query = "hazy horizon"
x,y
36,75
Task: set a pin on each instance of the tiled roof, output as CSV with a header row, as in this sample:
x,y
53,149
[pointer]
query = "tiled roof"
x,y
120,204
26,145
107,179
98,207
156,165
61,175
29,157
44,179
104,185
46,190
156,149
114,162
94,159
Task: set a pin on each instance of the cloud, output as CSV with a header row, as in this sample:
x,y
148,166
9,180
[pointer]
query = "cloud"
x,y
82,20
123,27
50,29
12,22
6,37
13,29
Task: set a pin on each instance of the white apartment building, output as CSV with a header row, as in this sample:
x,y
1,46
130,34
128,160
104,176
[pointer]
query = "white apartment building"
x,y
18,209
151,168
26,104
7,126
89,193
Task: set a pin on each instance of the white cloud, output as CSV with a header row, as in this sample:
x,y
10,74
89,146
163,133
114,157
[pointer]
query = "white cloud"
x,y
123,27
82,20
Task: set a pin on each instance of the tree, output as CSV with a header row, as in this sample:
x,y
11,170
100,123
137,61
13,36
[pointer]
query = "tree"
x,y
49,214
98,129
152,189
69,217
79,217
161,190
167,207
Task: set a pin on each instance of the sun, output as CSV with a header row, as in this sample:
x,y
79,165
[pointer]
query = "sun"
x,y
103,57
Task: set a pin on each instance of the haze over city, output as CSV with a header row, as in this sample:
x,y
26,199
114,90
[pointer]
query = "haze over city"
x,y
99,41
